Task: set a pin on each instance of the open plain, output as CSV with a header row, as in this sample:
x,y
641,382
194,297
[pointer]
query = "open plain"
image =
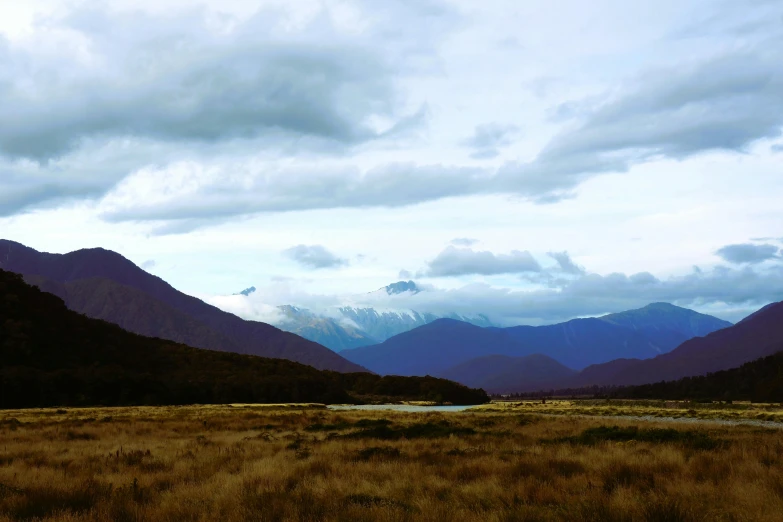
x,y
285,463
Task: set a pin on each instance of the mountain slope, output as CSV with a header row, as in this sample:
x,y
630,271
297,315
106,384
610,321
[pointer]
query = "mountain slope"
x,y
667,325
756,336
579,343
760,380
323,330
501,373
433,348
248,337
383,325
133,310
51,356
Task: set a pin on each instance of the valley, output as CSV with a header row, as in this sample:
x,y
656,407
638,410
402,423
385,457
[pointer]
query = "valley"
x,y
287,463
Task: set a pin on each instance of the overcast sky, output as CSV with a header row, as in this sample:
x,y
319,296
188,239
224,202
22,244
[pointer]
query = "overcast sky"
x,y
532,160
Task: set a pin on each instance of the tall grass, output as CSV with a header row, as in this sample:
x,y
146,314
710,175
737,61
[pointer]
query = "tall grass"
x,y
268,464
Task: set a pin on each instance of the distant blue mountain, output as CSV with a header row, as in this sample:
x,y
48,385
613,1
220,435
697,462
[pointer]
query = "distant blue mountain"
x,y
437,347
501,373
247,291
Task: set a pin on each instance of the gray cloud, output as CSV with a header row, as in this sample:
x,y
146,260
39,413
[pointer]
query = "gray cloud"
x,y
232,93
232,189
464,241
734,292
314,256
565,263
176,79
489,138
724,103
463,261
779,239
148,264
729,293
777,147
747,253
144,90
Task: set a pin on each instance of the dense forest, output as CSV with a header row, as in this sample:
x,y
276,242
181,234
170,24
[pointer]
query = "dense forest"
x,y
51,356
758,381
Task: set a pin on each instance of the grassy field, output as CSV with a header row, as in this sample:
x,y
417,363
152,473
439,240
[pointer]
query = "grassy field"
x,y
644,408
278,463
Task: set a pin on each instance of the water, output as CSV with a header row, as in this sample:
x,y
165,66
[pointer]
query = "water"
x,y
397,407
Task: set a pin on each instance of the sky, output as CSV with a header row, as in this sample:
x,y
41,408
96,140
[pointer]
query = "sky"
x,y
533,161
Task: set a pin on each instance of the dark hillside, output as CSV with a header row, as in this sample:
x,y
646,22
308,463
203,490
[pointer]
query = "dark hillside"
x,y
758,381
104,285
51,356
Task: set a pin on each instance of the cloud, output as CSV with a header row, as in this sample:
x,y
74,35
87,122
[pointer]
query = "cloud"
x,y
488,138
252,306
314,256
463,261
189,190
726,102
148,264
565,263
747,253
84,174
405,274
778,239
730,293
97,94
176,78
777,147
217,117
464,241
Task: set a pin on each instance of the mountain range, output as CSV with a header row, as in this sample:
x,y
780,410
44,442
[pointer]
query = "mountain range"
x,y
350,326
52,356
696,368
760,380
436,348
104,285
756,336
500,373
656,343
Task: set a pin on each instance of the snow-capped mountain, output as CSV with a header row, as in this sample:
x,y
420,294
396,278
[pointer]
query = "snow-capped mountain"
x,y
355,324
382,325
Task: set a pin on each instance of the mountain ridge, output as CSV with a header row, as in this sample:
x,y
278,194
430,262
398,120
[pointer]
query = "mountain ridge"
x,y
576,344
498,373
756,336
249,337
53,356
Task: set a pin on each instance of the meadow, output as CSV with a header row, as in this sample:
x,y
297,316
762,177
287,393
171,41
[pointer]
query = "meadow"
x,y
716,411
280,463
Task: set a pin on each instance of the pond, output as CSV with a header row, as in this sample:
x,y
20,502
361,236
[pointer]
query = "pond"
x,y
397,407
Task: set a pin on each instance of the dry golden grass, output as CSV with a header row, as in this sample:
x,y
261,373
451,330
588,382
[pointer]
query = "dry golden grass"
x,y
279,464
645,408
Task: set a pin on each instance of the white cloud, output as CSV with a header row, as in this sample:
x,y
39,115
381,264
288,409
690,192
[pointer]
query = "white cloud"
x,y
314,256
747,253
454,261
171,143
